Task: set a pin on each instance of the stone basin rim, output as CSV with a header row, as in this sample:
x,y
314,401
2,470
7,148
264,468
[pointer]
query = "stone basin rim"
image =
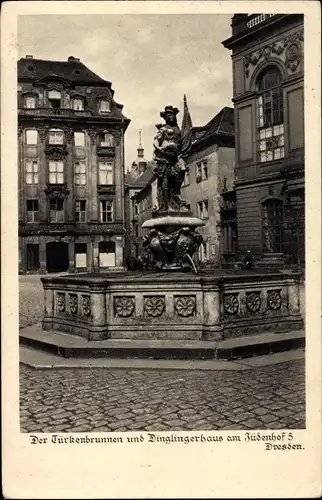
x,y
181,221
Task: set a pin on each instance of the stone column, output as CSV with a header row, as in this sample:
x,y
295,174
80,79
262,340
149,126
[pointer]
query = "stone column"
x,y
43,176
92,178
48,308
293,297
98,330
90,264
212,329
95,251
69,176
42,255
119,251
71,256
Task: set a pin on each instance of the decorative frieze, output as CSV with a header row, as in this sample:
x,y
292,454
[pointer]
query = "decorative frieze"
x,y
73,303
42,132
86,305
253,302
61,301
55,152
57,191
274,299
124,306
92,133
290,45
154,306
185,305
231,304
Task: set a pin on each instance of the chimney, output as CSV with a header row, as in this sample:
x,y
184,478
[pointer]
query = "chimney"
x,y
73,59
29,57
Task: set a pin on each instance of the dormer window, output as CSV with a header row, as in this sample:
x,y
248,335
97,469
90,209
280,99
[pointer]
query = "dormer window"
x,y
56,136
106,140
78,104
30,102
54,98
105,106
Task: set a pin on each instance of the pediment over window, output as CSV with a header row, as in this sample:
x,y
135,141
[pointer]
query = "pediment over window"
x,y
57,191
53,82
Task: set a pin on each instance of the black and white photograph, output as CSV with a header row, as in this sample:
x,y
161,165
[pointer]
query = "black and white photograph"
x,y
161,203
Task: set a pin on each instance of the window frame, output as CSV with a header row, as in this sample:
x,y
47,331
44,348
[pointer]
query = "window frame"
x,y
277,245
81,100
78,133
203,209
80,175
55,131
50,99
56,211
27,98
270,115
79,212
34,218
103,100
56,172
33,173
101,171
106,212
26,137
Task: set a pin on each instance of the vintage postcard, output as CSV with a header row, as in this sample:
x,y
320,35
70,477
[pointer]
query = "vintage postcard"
x,y
161,249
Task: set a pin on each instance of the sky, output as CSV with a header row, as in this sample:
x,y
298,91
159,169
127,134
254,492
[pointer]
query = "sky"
x,y
151,60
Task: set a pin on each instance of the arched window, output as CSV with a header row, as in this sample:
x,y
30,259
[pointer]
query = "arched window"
x,y
270,115
272,226
78,104
104,106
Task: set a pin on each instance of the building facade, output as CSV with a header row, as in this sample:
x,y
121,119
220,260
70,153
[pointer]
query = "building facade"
x,y
210,160
71,168
268,79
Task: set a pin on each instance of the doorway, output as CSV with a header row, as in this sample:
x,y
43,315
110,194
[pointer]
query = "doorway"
x,y
57,257
32,257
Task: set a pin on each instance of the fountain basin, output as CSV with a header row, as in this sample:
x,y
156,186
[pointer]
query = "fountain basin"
x,y
169,306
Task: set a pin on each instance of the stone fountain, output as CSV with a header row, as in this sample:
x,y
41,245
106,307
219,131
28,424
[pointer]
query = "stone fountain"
x,y
165,304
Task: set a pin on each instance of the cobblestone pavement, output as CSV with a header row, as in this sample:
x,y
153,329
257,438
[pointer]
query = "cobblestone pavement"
x,y
31,300
99,399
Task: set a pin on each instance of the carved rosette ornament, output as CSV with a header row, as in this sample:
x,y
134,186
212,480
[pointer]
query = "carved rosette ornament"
x,y
73,303
253,302
185,305
231,303
61,302
86,305
154,306
274,299
124,306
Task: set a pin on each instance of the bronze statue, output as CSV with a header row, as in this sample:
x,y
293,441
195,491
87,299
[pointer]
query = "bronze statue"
x,y
169,165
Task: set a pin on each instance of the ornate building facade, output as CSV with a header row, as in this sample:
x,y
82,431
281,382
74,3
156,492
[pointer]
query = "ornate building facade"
x,y
210,160
71,168
268,79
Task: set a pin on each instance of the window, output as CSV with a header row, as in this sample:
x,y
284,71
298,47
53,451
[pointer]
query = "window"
x,y
56,172
106,211
31,137
106,140
32,210
106,253
187,178
32,172
105,106
32,257
230,237
79,138
30,102
80,173
202,208
203,252
80,255
56,136
80,211
78,104
56,210
270,116
54,98
258,19
201,171
105,173
272,224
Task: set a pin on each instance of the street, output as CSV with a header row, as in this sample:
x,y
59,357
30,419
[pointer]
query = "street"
x,y
102,399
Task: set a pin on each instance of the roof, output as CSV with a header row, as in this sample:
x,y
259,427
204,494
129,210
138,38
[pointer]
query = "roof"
x,y
221,125
73,70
